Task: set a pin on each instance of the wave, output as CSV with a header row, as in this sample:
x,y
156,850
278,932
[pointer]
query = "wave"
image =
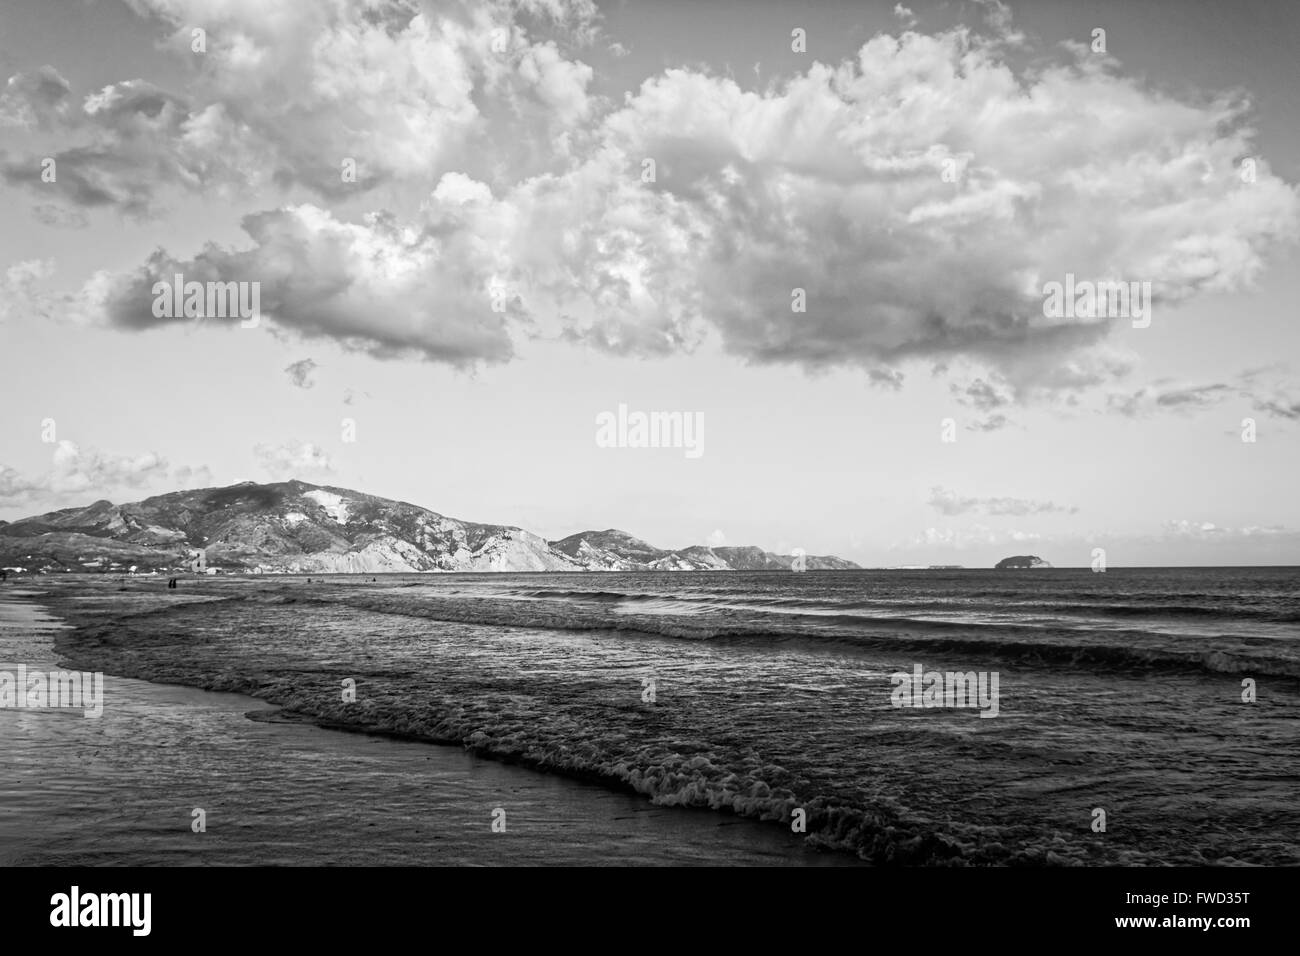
x,y
599,596
291,648
1050,644
876,831
999,602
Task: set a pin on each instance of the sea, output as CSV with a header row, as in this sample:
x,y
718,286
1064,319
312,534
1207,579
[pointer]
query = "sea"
x,y
1046,717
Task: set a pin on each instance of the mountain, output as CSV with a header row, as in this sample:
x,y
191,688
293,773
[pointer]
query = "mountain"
x,y
610,550
1022,561
293,526
614,550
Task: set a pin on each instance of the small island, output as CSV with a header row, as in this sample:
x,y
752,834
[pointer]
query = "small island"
x,y
1022,561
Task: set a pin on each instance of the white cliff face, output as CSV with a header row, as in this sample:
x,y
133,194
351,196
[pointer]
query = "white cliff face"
x,y
332,503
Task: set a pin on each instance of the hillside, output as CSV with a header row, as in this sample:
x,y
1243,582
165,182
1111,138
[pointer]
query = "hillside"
x,y
294,526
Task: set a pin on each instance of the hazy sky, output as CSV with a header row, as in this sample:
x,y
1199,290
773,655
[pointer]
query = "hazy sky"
x,y
920,172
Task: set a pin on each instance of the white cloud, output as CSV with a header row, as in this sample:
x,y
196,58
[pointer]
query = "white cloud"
x,y
286,96
80,473
833,182
950,503
292,459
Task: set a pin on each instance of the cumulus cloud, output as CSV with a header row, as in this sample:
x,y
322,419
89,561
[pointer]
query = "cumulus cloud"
x,y
920,194
375,286
292,459
133,139
950,503
399,89
834,184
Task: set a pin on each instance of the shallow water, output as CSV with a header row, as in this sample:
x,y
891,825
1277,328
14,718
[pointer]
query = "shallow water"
x,y
121,790
762,714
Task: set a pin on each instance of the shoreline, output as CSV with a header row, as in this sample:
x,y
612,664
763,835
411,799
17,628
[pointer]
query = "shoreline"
x,y
754,731
587,814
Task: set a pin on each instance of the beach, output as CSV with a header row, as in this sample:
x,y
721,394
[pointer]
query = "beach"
x,y
744,699
121,790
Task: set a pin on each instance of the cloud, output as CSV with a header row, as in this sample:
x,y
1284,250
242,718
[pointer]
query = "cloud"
x,y
885,378
135,139
950,503
185,476
834,184
1198,396
1263,390
59,217
300,372
981,395
401,89
990,424
19,286
40,99
716,538
376,286
1289,408
1183,528
920,194
80,473
976,536
292,459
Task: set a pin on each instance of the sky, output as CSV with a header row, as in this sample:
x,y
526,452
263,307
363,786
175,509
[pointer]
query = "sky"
x,y
561,208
